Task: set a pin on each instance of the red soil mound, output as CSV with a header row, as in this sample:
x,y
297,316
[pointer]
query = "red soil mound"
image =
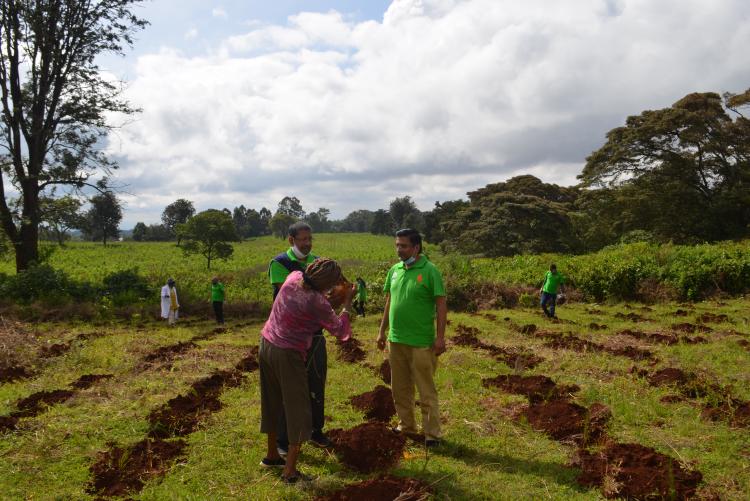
x,y
368,447
712,318
167,353
377,404
681,313
385,371
88,380
250,362
54,350
691,328
597,327
514,357
563,420
670,375
37,402
735,411
8,374
351,351
8,423
667,339
119,471
633,471
382,488
571,342
535,388
633,317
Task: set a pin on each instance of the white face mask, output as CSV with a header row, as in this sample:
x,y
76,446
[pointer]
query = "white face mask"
x,y
298,252
410,261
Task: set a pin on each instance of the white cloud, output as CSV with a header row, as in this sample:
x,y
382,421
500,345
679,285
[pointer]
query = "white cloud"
x,y
442,97
219,12
191,34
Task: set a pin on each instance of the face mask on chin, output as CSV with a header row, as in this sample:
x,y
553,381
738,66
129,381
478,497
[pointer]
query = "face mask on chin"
x,y
409,261
299,253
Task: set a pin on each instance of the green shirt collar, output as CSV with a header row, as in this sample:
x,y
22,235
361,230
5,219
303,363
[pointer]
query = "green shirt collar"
x,y
309,259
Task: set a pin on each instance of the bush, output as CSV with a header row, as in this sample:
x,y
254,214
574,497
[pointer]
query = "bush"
x,y
44,283
126,287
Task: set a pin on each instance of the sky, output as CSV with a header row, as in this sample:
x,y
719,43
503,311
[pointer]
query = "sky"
x,y
349,104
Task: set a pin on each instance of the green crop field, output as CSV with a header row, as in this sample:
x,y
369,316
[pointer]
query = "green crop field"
x,y
670,376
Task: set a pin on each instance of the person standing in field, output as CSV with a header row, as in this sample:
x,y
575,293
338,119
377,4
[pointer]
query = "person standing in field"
x,y
217,299
552,281
300,311
297,258
415,316
169,304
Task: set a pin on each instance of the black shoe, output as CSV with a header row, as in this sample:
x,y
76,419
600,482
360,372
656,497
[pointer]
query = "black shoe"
x,y
283,451
432,443
320,440
296,477
273,463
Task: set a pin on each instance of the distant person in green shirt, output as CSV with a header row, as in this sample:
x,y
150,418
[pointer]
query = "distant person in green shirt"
x,y
552,281
296,258
217,299
415,316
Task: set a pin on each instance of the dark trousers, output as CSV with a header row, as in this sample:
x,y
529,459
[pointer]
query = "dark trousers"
x,y
550,299
317,368
219,311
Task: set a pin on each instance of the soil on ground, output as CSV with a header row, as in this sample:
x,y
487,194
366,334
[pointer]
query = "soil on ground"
x,y
514,357
382,488
689,328
351,351
377,404
88,380
368,447
120,471
9,374
54,350
633,471
535,388
165,354
567,421
385,372
37,402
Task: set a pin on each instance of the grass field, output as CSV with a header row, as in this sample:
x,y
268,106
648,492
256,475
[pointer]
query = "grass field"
x,y
489,452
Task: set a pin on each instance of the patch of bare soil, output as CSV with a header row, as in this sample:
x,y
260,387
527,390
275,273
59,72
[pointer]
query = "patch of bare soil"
x,y
9,374
632,316
712,318
597,327
652,337
514,357
166,354
571,342
120,471
37,402
382,488
633,471
351,351
377,404
385,371
54,350
689,328
735,412
209,335
88,380
250,362
567,421
535,388
368,447
181,415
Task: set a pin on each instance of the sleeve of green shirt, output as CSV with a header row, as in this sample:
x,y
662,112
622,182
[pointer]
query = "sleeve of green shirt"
x,y
387,284
277,273
438,289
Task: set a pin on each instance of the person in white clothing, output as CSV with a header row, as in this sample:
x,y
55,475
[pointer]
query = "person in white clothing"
x,y
169,304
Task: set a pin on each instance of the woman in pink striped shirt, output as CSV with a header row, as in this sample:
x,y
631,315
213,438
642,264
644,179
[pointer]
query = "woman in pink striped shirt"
x,y
300,310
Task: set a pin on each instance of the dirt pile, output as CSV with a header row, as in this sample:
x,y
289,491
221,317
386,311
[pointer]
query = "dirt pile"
x,y
712,318
653,337
567,421
209,335
689,328
382,488
181,415
14,373
514,357
535,388
54,350
368,447
385,372
36,403
633,317
351,351
377,404
633,471
736,412
120,471
88,380
166,354
570,342
597,327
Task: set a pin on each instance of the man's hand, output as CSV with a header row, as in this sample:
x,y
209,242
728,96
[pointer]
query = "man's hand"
x,y
439,346
381,341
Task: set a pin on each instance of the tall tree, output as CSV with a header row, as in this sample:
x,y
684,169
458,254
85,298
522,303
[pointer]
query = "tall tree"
x,y
55,102
265,221
358,221
61,215
291,206
280,223
139,231
178,212
382,223
103,218
319,220
400,209
683,172
209,233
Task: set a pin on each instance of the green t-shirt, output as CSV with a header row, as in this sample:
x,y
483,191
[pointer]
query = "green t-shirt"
x,y
277,273
552,281
217,292
412,312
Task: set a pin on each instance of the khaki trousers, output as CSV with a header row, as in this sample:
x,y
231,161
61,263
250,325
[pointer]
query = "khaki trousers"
x,y
412,366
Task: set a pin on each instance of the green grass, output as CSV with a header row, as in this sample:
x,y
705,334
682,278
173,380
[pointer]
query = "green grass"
x,y
487,455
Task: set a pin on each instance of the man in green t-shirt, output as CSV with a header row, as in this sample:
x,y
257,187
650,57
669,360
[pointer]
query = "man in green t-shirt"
x,y
415,316
552,280
296,258
217,299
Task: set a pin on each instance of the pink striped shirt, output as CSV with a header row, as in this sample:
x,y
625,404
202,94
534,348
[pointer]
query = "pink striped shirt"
x,y
298,313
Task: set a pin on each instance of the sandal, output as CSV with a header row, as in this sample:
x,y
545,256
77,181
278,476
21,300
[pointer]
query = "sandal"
x,y
296,477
